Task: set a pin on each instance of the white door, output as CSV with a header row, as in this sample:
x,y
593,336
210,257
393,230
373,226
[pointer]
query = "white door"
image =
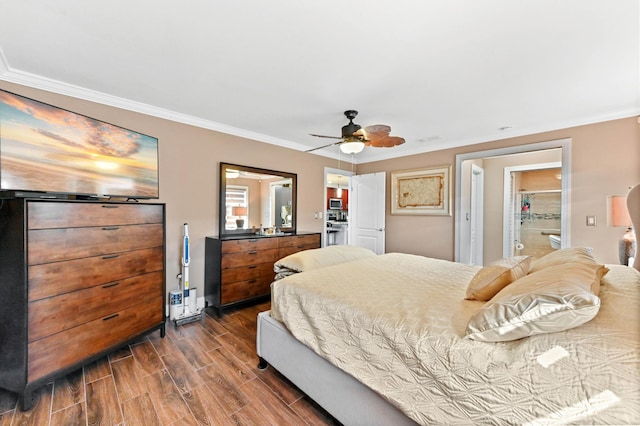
x,y
476,244
367,211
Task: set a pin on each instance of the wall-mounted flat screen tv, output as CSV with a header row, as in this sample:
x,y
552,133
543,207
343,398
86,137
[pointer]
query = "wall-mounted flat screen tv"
x,y
50,150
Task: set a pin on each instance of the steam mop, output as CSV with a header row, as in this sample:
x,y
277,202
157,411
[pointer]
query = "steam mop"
x,y
186,316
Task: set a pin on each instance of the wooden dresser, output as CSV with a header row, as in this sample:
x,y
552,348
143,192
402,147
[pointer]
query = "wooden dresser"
x,y
78,279
239,269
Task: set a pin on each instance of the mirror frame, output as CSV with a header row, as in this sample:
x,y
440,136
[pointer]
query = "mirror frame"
x,y
223,196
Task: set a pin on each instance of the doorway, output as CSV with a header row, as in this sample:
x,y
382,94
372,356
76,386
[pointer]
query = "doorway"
x,y
336,223
280,210
494,210
533,196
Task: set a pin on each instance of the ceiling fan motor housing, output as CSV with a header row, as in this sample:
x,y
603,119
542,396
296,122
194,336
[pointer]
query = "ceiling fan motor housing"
x,y
351,128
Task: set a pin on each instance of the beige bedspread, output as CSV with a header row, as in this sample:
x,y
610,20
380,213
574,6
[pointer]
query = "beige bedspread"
x,y
396,321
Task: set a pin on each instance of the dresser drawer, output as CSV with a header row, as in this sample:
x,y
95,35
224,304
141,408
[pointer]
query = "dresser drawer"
x,y
254,257
68,215
50,245
252,244
59,313
72,346
245,289
50,279
299,240
244,273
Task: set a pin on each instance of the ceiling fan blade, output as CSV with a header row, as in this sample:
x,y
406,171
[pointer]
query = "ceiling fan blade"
x,y
323,136
324,146
378,128
378,136
385,142
396,140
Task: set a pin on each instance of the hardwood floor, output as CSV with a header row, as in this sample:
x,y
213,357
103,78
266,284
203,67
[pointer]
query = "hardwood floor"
x,y
203,373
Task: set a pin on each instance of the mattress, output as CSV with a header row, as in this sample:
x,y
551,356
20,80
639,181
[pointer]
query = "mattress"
x,y
396,322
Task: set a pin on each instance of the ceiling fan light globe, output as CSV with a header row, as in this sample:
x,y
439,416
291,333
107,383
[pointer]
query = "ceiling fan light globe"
x,y
352,147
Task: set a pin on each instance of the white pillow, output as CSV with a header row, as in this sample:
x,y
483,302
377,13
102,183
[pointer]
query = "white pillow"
x,y
554,299
492,278
307,260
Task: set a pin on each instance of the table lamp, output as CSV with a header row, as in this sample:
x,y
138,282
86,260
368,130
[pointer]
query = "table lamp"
x,y
618,215
239,211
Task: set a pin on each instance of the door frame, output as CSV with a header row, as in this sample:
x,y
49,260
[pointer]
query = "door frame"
x,y
565,144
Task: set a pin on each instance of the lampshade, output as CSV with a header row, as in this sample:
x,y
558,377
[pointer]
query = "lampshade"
x,y
239,211
352,147
617,213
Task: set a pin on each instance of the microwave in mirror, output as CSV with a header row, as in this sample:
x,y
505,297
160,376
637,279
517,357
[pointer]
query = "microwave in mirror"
x,y
335,203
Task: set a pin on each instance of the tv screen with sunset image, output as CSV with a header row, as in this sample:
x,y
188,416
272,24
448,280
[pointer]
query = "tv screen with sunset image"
x,y
48,149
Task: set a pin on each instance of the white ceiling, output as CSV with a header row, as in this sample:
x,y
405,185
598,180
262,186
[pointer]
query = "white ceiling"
x,y
441,73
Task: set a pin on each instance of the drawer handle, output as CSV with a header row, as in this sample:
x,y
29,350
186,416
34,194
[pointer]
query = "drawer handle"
x,y
110,256
110,228
110,317
106,206
252,281
110,285
253,240
253,252
253,266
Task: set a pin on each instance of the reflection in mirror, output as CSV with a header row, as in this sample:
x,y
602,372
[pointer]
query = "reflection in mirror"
x,y
256,201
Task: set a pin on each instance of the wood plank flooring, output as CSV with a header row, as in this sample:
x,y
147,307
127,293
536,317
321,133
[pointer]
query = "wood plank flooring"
x,y
203,373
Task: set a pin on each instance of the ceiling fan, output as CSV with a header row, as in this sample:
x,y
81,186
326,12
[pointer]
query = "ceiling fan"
x,y
354,138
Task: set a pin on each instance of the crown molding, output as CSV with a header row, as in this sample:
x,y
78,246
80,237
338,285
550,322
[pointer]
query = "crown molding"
x,y
54,86
4,66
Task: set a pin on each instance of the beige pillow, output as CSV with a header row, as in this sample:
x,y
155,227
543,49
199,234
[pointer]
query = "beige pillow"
x,y
307,260
489,280
554,299
561,257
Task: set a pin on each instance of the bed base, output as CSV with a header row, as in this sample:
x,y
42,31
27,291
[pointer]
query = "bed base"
x,y
344,397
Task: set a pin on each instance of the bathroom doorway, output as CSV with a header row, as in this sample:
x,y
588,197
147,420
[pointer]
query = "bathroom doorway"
x,y
533,216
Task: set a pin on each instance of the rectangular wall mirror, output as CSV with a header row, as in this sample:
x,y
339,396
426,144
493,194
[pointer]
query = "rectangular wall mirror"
x,y
252,198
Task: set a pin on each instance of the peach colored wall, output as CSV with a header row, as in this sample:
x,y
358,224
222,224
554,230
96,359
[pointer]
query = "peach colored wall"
x,y
605,160
189,168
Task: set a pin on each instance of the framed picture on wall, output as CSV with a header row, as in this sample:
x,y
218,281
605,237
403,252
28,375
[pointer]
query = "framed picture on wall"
x,y
421,192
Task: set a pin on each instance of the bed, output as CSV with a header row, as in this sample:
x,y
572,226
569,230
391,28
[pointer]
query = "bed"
x,y
395,339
